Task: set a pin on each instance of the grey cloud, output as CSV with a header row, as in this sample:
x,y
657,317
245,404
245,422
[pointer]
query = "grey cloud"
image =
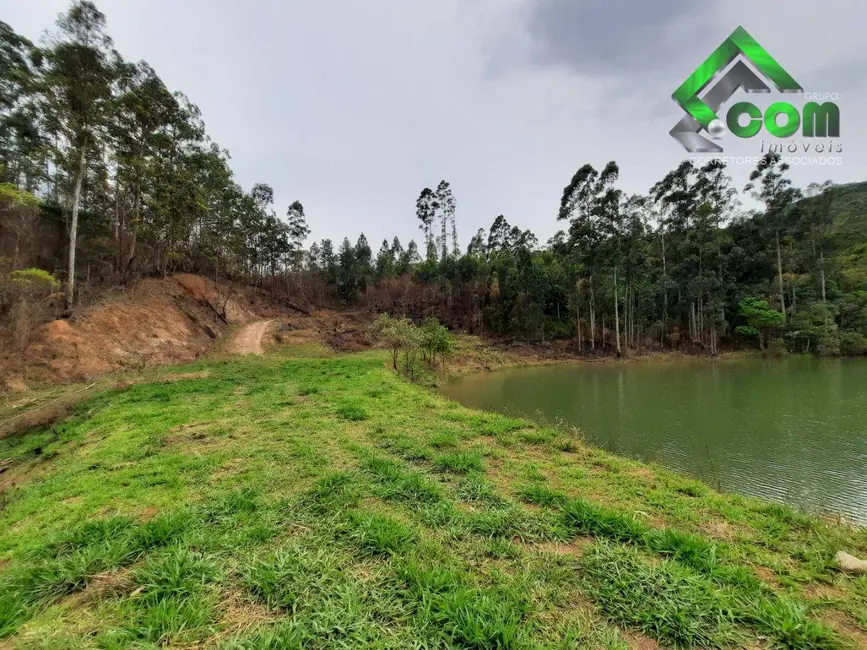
x,y
353,106
601,36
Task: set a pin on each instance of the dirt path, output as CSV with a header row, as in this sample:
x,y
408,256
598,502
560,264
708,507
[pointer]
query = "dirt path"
x,y
249,339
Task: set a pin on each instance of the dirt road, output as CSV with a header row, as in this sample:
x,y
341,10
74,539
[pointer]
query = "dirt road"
x,y
249,339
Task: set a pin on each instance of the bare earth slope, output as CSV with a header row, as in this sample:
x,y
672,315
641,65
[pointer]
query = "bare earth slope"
x,y
154,322
249,339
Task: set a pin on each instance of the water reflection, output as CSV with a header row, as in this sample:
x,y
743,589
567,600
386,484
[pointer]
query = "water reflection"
x,y
793,431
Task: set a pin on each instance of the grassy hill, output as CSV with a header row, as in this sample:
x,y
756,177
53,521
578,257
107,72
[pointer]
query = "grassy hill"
x,y
310,500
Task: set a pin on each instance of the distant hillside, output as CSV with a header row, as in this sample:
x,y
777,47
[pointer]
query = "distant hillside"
x,y
849,233
850,208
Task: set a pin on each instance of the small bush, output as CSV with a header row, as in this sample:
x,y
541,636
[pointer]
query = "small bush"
x,y
401,335
776,348
853,343
829,343
436,341
30,292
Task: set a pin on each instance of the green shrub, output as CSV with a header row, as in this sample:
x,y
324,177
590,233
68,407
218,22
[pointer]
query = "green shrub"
x,y
829,344
776,348
853,343
436,341
34,278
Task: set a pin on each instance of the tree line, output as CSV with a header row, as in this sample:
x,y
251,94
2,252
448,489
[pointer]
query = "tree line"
x,y
682,266
104,168
105,175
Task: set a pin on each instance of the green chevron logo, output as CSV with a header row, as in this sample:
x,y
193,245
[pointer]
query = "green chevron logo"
x,y
707,89
740,42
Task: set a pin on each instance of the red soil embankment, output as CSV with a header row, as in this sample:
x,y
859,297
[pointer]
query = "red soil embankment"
x,y
154,322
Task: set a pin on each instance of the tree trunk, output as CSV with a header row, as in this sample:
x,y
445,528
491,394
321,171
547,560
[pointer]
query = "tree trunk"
x,y
780,278
592,317
822,275
664,285
117,221
578,320
616,313
73,228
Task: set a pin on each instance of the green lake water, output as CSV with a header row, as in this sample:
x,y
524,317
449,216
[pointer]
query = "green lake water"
x,y
791,430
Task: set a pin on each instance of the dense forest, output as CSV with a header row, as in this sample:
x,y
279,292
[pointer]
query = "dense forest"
x,y
106,175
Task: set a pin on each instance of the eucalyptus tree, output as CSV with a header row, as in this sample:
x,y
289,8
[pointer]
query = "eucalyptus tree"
x,y
22,144
140,112
363,263
328,261
499,236
696,202
817,219
297,230
406,259
446,205
586,199
425,212
347,285
769,184
478,245
384,264
77,85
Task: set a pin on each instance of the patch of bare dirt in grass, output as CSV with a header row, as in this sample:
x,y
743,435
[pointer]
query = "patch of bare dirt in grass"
x,y
822,591
101,587
231,468
638,641
238,615
841,623
766,575
574,549
717,529
183,376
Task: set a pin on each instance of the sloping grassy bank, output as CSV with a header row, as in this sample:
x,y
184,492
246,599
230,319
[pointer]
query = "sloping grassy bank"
x,y
303,500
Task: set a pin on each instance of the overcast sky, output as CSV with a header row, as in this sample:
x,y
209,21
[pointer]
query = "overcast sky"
x,y
353,106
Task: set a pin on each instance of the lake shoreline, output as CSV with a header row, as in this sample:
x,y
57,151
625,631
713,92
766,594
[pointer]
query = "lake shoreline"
x,y
764,427
475,354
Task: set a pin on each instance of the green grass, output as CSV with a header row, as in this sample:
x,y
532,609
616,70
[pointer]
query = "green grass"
x,y
460,462
306,500
665,601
